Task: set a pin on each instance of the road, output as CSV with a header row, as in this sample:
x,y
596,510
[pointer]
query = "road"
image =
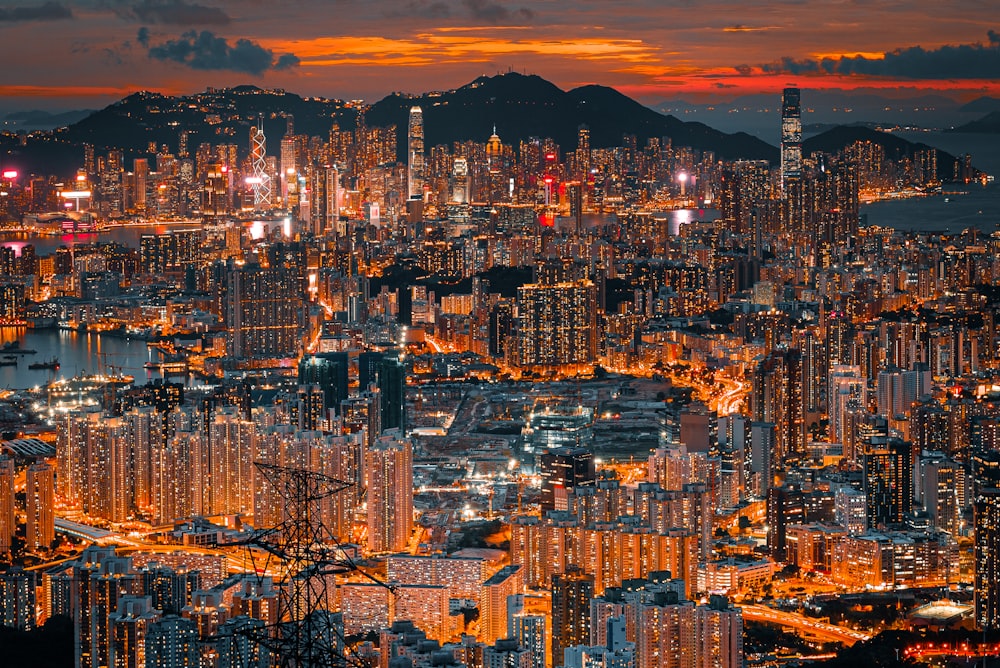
x,y
803,625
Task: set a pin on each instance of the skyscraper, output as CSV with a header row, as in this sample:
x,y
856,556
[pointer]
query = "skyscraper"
x,y
258,161
562,469
557,325
571,594
415,152
7,516
262,311
888,481
389,471
460,181
791,137
39,500
987,522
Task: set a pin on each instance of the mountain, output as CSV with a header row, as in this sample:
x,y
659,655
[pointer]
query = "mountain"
x,y
217,116
988,124
522,106
43,120
518,106
895,148
981,105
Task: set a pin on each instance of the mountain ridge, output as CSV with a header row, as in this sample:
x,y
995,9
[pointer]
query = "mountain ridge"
x,y
519,106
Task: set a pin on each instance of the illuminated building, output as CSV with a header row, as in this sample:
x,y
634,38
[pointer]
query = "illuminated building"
x,y
329,371
236,647
851,509
493,603
571,594
7,516
17,599
172,641
262,312
463,576
898,390
529,632
100,579
729,576
895,558
785,506
257,598
941,489
258,163
129,625
557,326
429,604
389,472
987,536
791,136
460,181
366,606
226,461
888,481
551,427
563,469
847,392
39,506
415,153
761,462
307,412
12,302
719,634
776,397
506,653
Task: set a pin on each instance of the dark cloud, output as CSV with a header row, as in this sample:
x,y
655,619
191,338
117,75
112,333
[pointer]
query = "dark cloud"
x,y
485,11
494,12
143,36
745,70
426,9
286,61
175,12
206,51
50,11
963,61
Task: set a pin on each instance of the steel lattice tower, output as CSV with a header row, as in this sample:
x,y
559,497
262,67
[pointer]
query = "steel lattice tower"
x,y
258,156
302,555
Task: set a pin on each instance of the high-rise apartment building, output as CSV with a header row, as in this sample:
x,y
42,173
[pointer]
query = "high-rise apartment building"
x,y
262,312
571,594
987,558
389,472
888,481
39,506
557,326
7,515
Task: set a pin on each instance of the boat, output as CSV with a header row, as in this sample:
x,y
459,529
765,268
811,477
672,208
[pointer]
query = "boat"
x,y
14,348
10,360
52,364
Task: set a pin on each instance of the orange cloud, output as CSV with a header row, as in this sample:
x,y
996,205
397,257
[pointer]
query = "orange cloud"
x,y
450,46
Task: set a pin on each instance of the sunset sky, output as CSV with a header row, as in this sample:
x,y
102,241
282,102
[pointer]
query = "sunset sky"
x,y
87,53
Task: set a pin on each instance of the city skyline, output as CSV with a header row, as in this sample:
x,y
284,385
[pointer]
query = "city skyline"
x,y
601,389
95,52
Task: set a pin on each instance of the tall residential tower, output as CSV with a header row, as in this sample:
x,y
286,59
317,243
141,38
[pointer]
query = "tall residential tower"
x,y
791,137
415,152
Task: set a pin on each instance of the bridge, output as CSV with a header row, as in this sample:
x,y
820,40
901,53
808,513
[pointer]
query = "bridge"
x,y
803,625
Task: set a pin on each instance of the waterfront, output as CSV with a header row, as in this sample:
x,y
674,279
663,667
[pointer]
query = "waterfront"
x,y
77,352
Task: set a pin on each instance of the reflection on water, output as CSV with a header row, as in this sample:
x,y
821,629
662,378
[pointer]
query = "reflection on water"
x,y
78,353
